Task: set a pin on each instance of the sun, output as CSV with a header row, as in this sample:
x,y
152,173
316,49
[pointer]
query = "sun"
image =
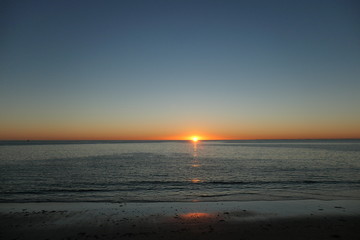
x,y
195,139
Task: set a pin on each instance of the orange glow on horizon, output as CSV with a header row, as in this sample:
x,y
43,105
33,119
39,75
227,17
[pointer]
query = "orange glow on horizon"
x,y
86,133
70,137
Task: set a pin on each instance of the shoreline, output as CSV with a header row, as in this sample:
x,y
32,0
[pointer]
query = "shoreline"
x,y
289,219
277,207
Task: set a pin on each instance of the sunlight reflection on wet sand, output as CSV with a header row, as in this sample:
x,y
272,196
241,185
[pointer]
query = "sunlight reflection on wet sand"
x,y
196,215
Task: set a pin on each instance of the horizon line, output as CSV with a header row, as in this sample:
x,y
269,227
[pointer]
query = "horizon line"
x,y
250,139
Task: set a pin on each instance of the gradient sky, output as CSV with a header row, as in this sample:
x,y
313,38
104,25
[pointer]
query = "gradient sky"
x,y
173,69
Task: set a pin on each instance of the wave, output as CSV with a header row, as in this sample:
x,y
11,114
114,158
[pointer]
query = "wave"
x,y
241,182
140,185
205,189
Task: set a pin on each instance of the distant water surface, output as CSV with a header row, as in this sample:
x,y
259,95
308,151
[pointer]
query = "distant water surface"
x,y
145,171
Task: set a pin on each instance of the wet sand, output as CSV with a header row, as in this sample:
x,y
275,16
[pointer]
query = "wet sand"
x,y
304,219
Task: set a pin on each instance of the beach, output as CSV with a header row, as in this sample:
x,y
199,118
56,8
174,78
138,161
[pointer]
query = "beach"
x,y
295,219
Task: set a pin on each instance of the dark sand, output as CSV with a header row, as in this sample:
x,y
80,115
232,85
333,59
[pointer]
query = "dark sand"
x,y
307,219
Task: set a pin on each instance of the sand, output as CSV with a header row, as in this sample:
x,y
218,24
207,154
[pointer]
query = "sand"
x,y
303,219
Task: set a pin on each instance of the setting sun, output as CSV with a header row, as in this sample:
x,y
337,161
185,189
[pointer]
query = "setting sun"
x,y
195,139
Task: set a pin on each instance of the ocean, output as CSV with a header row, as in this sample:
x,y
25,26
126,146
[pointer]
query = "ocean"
x,y
178,171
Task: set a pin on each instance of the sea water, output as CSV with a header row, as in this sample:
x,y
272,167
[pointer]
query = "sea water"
x,y
153,171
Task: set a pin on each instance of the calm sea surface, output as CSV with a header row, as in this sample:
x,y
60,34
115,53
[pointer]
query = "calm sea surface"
x,y
135,171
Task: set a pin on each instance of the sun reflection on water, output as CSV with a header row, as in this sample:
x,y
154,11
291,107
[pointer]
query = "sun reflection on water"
x,y
196,165
195,180
195,162
195,149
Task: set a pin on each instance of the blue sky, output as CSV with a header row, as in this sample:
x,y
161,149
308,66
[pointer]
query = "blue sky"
x,y
164,69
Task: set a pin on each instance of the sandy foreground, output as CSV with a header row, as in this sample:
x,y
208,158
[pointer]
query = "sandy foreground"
x,y
304,219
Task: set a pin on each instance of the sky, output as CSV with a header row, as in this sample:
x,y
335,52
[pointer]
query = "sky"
x,y
125,70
